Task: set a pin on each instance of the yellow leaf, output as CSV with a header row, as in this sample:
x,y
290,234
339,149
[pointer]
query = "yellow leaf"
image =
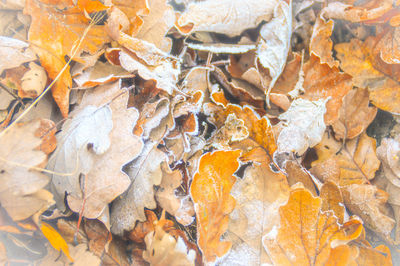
x,y
55,239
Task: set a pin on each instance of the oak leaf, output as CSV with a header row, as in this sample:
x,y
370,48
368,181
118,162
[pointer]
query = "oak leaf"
x,y
306,235
14,53
22,193
210,191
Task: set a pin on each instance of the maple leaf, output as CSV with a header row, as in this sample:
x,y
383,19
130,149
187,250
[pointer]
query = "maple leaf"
x,y
68,23
306,234
210,190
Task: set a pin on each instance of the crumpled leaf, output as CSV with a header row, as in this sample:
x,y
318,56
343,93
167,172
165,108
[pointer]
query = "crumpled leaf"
x,y
389,47
85,134
68,22
13,53
210,191
227,17
22,193
55,239
273,48
144,172
164,249
306,235
303,126
355,115
360,61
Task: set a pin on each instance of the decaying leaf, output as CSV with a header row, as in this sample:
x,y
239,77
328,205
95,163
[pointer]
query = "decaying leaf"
x,y
210,191
306,235
303,126
22,193
33,81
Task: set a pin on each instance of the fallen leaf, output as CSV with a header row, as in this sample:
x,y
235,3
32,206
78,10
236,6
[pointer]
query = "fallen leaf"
x,y
156,25
357,161
367,202
306,235
258,195
164,249
14,53
33,81
273,48
83,257
296,174
355,115
23,193
68,22
369,71
323,82
227,17
321,43
55,239
332,199
210,191
388,46
303,126
144,172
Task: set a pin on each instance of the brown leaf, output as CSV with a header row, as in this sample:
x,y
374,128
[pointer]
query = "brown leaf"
x,y
296,174
389,46
357,161
306,235
332,200
212,16
321,43
68,25
210,192
23,193
321,82
14,53
369,71
355,115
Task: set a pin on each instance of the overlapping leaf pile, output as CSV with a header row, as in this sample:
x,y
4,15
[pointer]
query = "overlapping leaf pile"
x,y
199,132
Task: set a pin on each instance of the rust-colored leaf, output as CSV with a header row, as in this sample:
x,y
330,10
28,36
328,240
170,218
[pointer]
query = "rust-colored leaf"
x,y
210,192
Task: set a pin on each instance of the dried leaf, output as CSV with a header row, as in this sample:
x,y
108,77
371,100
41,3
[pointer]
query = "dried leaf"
x,y
332,200
306,235
55,239
14,53
357,161
303,126
323,82
227,17
86,134
144,172
33,81
355,115
22,193
321,43
210,191
68,22
369,71
389,46
273,48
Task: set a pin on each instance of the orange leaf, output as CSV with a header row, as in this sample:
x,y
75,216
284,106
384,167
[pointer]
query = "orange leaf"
x,y
321,43
55,239
210,192
306,233
56,29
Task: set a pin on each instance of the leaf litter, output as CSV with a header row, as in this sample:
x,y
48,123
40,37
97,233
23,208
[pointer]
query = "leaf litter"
x,y
199,132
